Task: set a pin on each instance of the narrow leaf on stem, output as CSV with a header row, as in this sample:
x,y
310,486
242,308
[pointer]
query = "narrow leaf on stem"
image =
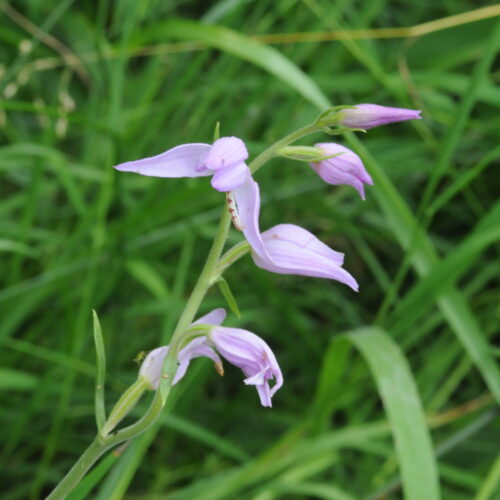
x,y
100,410
228,295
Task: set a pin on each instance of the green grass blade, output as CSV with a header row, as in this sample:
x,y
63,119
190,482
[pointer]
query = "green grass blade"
x,y
447,271
402,405
491,482
239,45
16,380
423,258
455,132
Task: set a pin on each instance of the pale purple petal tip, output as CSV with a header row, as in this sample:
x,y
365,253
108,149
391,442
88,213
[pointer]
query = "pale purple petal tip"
x,y
215,317
247,199
294,250
346,168
225,152
152,365
366,116
181,161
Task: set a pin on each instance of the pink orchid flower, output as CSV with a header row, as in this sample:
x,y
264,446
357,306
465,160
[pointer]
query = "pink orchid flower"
x,y
224,160
240,347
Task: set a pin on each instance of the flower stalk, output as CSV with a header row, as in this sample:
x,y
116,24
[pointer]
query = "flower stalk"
x,y
284,249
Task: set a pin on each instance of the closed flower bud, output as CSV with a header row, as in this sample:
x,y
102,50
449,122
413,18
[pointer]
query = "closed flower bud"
x,y
365,116
345,167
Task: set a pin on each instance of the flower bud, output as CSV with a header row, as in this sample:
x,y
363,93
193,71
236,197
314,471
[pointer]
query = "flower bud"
x,y
366,116
343,167
302,153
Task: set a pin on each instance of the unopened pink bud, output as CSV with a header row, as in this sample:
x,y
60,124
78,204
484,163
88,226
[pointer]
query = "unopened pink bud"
x,y
365,116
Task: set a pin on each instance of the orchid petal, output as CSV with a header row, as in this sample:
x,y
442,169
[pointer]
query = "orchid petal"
x,y
215,317
265,394
152,365
230,178
289,255
225,152
300,237
247,199
197,348
182,161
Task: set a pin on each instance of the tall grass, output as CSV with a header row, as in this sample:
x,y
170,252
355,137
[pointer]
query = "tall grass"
x,y
385,390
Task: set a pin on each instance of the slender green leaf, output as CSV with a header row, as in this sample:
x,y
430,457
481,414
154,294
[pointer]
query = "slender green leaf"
x,y
491,483
239,45
447,271
228,295
16,380
149,277
404,411
423,257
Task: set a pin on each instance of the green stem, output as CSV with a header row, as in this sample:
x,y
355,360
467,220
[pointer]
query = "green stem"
x,y
272,151
126,402
230,257
82,465
204,281
170,366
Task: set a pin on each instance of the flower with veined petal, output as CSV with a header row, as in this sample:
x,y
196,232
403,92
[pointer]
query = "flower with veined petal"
x,y
294,250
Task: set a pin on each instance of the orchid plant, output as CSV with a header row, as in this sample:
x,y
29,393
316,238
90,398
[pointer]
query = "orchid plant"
x,y
285,249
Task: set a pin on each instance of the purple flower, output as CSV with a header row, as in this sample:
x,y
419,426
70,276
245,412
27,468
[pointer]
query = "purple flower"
x,y
294,250
367,116
240,347
224,160
152,365
252,355
346,168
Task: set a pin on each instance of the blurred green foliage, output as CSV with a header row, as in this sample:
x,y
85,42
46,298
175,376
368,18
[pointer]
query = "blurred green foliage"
x,y
86,85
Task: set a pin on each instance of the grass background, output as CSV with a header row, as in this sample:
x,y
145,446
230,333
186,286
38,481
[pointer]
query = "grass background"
x,y
384,389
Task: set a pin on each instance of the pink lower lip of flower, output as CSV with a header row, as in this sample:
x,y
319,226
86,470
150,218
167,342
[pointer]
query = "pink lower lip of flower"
x,y
366,116
345,168
294,250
